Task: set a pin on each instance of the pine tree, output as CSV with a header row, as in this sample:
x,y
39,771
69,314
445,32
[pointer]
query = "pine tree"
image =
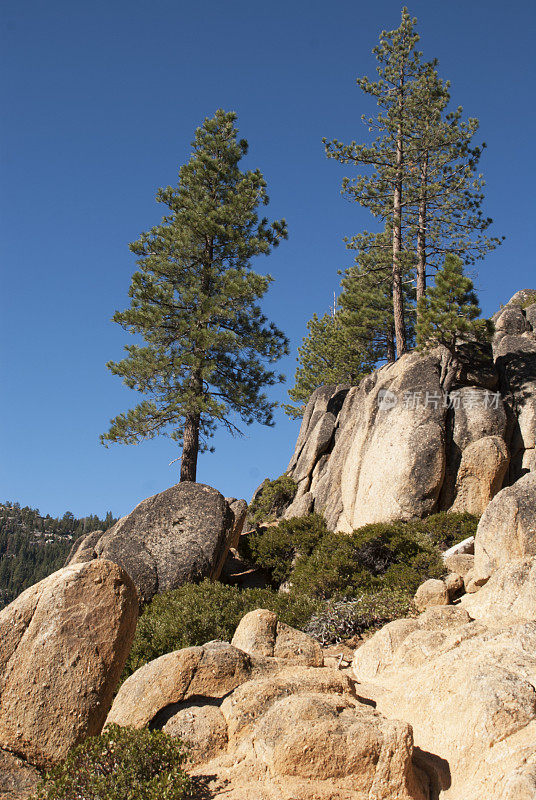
x,y
448,316
328,355
194,302
382,191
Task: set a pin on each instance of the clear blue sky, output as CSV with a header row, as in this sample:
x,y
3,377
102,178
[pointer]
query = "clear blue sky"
x,y
100,102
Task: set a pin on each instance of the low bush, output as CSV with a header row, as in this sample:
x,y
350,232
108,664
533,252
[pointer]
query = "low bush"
x,y
446,529
322,564
120,764
373,557
375,570
276,549
347,618
272,500
198,613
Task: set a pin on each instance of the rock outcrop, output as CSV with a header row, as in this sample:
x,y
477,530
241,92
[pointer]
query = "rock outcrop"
x,y
396,447
63,645
387,459
463,676
178,536
468,693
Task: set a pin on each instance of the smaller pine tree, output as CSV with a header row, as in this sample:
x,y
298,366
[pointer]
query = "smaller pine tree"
x,y
448,315
327,356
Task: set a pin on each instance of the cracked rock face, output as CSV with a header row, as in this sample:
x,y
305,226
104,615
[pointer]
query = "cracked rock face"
x,y
63,645
393,447
178,536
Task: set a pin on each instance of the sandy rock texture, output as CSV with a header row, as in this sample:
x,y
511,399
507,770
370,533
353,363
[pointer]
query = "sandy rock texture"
x,y
18,779
261,725
507,529
261,634
467,690
63,645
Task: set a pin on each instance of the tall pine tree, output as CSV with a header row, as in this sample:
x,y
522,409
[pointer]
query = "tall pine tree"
x,y
194,301
421,178
389,156
445,200
366,299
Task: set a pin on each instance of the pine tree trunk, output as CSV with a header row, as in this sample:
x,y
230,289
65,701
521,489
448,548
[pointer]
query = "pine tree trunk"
x,y
421,233
190,447
390,346
398,296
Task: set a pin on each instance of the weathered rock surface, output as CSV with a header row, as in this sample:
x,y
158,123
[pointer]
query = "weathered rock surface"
x,y
508,596
63,645
18,780
483,467
387,461
260,725
460,563
178,536
514,347
507,529
382,652
211,671
261,634
83,548
302,733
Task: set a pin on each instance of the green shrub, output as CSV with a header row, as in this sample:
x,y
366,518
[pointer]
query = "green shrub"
x,y
322,564
275,549
274,497
446,529
377,556
198,613
346,618
120,764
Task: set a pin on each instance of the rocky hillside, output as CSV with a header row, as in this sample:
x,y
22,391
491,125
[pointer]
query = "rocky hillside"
x,y
32,545
397,446
438,704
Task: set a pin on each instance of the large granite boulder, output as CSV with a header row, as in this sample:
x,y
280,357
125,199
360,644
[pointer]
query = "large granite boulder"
x,y
210,671
63,645
475,466
514,347
507,529
509,595
480,475
260,728
302,733
178,536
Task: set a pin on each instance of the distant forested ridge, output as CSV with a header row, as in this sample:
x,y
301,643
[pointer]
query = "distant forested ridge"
x,y
32,546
